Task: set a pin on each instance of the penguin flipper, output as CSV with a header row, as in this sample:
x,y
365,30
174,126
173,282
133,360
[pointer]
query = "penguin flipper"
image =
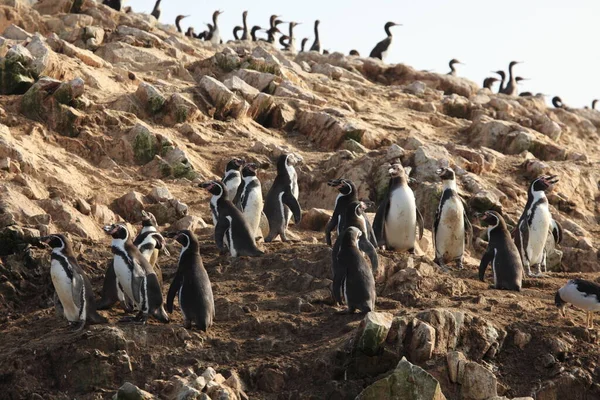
x,y
237,199
485,260
379,221
370,232
468,230
557,231
173,290
78,291
331,225
339,277
110,293
289,200
365,245
222,226
420,223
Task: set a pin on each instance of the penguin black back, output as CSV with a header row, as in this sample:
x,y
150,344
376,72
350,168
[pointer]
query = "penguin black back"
x,y
192,283
348,194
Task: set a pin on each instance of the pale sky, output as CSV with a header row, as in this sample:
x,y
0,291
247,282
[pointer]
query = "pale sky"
x,y
557,39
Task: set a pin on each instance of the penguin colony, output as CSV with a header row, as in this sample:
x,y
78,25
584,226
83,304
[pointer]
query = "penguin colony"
x,y
288,43
134,277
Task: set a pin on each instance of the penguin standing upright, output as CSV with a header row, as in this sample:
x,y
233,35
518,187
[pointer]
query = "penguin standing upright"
x,y
136,275
232,178
355,278
502,253
347,195
231,228
251,200
397,217
72,285
451,227
354,217
284,192
535,224
192,284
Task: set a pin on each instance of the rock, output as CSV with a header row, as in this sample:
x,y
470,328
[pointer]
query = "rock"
x,y
328,70
226,103
83,207
179,109
131,392
189,222
271,380
150,98
15,76
160,194
456,365
103,214
259,80
478,382
315,219
355,147
46,62
147,38
447,327
521,339
16,33
406,382
239,86
93,36
373,330
124,55
422,342
68,219
130,206
261,109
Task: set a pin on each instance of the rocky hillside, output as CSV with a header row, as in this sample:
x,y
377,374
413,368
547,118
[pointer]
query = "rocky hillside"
x,y
105,114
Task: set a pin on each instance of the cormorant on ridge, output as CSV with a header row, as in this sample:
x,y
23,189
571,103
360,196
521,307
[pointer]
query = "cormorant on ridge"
x,y
381,49
282,42
557,102
190,32
316,46
594,104
177,20
511,86
208,34
235,32
354,53
292,39
303,44
216,35
114,4
156,11
503,76
255,29
245,34
488,82
451,64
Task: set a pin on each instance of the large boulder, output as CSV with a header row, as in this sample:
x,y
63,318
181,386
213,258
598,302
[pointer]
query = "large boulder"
x,y
373,330
225,102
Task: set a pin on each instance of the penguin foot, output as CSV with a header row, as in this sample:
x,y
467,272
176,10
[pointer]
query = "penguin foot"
x,y
459,264
187,324
76,326
411,251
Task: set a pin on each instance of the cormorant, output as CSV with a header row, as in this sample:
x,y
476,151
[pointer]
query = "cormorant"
x,y
557,102
272,20
271,35
216,35
190,32
255,29
511,86
381,49
282,42
303,44
114,4
325,52
354,53
594,104
209,34
245,35
316,46
292,40
503,76
488,82
177,20
452,69
156,12
235,32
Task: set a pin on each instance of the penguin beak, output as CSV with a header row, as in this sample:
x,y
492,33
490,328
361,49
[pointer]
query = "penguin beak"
x,y
170,235
110,229
44,239
206,185
439,171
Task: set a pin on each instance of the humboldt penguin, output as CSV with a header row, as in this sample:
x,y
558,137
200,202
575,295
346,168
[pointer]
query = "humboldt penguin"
x,y
451,227
232,178
156,11
398,217
535,224
381,49
178,20
192,284
316,46
582,294
216,33
347,194
511,87
72,285
502,253
355,277
282,198
231,228
136,276
251,200
451,64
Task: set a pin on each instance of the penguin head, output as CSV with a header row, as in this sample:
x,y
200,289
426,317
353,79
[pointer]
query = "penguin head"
x,y
183,237
360,207
445,173
560,304
249,169
216,188
344,186
117,231
148,219
235,164
543,183
293,159
491,218
396,170
55,241
353,234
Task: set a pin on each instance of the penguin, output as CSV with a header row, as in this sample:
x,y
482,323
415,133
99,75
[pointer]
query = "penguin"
x,y
72,285
582,294
451,228
355,278
231,227
284,192
136,276
534,225
354,217
192,284
502,253
232,177
397,217
251,200
149,242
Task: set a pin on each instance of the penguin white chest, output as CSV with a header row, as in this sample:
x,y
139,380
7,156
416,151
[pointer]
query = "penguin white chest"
x,y
450,234
233,182
538,233
124,277
253,209
229,233
401,221
64,288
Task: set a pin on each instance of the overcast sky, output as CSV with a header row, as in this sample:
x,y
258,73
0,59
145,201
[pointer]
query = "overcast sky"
x,y
557,39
